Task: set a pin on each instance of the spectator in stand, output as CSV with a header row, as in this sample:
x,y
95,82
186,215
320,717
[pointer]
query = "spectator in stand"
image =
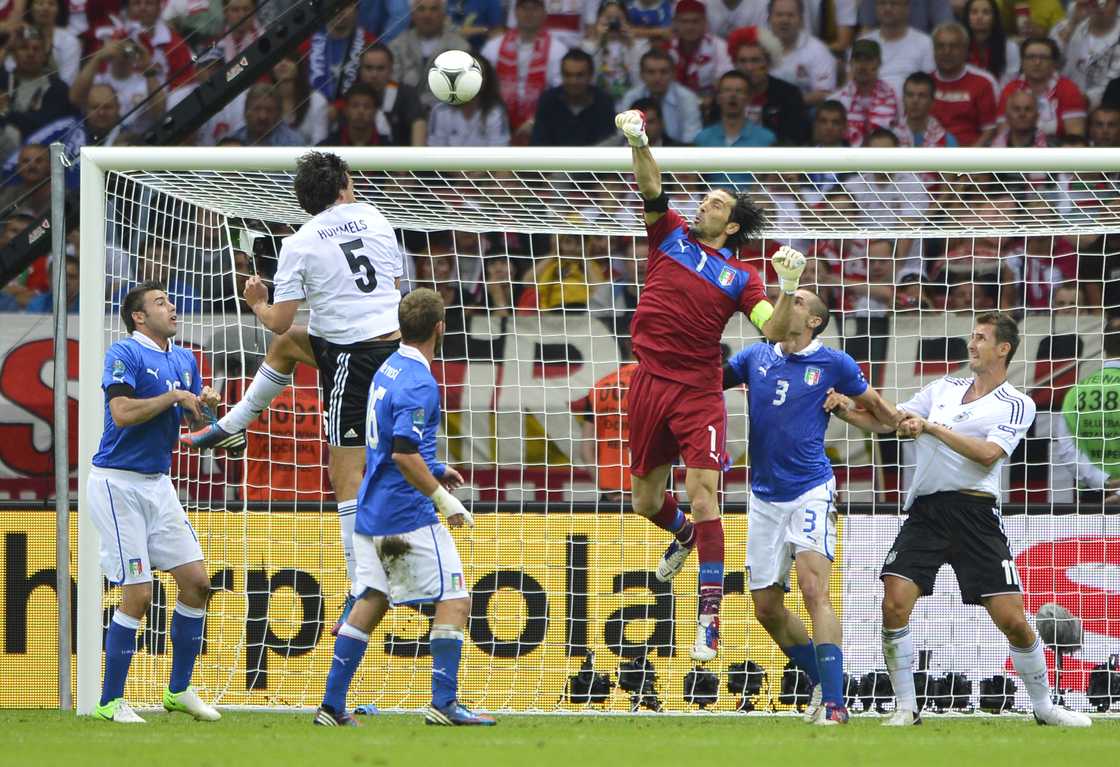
x,y
919,127
964,99
263,123
805,61
680,107
50,17
1061,104
577,113
476,20
870,102
30,95
414,49
170,54
385,19
651,19
1104,127
159,260
229,119
905,49
989,47
1031,18
1111,97
32,170
481,121
1036,269
565,19
19,292
834,22
893,281
1092,46
125,66
615,51
362,123
894,200
43,303
399,103
701,58
235,35
774,104
333,54
1020,128
830,125
102,115
195,19
923,15
655,123
526,60
733,129
725,16
301,108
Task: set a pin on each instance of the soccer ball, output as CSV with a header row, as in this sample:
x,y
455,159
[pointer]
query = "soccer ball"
x,y
455,77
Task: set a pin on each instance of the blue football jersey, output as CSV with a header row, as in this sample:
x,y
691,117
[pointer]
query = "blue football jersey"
x,y
787,422
150,371
403,402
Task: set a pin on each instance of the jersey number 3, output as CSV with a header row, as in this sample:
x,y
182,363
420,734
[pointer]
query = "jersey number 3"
x,y
780,392
364,275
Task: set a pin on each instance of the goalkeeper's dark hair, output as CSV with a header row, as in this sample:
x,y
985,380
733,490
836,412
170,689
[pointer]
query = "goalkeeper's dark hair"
x,y
748,215
320,176
419,313
134,301
1007,330
818,308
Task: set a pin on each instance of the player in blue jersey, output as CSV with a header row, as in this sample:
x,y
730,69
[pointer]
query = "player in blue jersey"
x,y
403,555
792,518
150,386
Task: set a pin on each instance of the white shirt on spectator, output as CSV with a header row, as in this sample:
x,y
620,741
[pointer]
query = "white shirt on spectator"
x,y
566,18
913,52
315,125
130,91
1092,61
845,14
889,201
450,126
723,20
810,65
67,54
680,110
183,9
226,122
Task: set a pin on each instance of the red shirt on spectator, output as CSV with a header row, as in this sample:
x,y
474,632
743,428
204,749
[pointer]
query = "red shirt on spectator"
x,y
1063,101
868,111
1042,274
966,106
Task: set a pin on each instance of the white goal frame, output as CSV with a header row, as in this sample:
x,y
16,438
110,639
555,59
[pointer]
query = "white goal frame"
x,y
96,162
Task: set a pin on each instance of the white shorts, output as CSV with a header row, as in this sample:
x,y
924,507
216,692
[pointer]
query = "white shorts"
x,y
142,524
411,568
778,530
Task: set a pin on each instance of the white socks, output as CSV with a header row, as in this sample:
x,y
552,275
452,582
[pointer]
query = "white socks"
x,y
1030,665
898,652
266,385
347,515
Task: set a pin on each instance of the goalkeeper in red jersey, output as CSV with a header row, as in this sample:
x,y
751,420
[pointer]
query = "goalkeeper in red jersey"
x,y
694,285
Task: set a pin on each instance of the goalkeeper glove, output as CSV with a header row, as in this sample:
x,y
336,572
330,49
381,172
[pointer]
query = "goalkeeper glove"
x,y
451,506
788,264
632,123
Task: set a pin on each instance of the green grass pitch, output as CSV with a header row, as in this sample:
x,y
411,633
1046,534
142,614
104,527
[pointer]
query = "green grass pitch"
x,y
252,739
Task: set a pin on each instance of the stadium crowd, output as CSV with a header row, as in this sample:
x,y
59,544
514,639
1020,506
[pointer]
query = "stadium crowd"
x,y
707,73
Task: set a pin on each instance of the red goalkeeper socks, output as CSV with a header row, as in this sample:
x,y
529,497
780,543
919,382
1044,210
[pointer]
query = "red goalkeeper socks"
x,y
709,549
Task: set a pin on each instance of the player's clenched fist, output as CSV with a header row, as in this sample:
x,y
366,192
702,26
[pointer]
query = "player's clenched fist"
x,y
632,123
788,265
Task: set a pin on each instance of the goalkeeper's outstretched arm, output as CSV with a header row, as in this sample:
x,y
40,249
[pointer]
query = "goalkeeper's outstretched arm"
x,y
632,123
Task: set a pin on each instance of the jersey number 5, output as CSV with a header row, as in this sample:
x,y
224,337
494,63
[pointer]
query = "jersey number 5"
x,y
364,275
371,417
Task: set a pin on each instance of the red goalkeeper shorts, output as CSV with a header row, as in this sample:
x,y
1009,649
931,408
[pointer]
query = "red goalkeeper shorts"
x,y
668,419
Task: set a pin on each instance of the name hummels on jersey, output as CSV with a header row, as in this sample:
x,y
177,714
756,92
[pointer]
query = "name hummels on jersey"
x,y
350,227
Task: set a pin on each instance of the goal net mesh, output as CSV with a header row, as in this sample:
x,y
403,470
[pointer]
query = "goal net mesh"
x,y
541,272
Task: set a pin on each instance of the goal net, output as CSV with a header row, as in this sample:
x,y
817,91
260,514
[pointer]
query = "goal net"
x,y
541,259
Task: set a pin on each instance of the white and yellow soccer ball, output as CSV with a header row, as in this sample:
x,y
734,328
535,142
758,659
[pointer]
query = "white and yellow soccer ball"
x,y
455,77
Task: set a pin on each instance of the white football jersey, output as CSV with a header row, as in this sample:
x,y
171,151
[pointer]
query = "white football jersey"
x,y
1003,416
345,263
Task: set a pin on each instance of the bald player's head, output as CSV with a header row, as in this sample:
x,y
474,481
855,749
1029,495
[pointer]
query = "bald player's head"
x,y
816,307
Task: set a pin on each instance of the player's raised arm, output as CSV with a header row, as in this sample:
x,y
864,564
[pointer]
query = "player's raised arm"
x,y
276,317
876,415
788,264
632,123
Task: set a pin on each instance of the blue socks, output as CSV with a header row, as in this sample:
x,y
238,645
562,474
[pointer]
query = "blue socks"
x,y
447,649
349,648
804,656
186,644
120,644
830,659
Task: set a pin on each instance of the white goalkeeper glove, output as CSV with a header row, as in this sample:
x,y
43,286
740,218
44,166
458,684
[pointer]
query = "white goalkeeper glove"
x,y
450,506
788,264
632,123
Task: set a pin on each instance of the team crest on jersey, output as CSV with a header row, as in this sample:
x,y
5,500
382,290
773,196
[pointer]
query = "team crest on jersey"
x,y
960,416
135,567
812,376
726,277
456,581
890,558
118,370
418,417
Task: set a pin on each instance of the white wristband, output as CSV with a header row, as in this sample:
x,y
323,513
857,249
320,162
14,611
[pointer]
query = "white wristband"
x,y
441,496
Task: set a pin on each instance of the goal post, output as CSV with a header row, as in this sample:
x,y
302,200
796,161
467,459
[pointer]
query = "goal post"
x,y
505,418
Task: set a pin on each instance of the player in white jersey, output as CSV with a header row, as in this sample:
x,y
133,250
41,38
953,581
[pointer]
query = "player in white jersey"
x,y
964,429
345,263
150,385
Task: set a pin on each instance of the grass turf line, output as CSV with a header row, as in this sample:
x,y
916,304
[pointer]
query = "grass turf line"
x,y
253,739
